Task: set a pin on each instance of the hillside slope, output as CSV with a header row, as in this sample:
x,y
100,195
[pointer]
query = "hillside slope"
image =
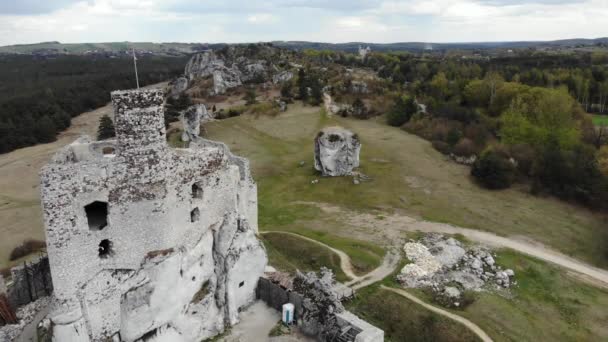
x,y
408,177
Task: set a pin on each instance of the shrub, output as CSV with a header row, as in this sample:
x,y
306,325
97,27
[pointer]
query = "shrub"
x,y
265,108
478,133
465,148
26,248
493,170
524,155
402,110
440,131
250,97
454,136
442,146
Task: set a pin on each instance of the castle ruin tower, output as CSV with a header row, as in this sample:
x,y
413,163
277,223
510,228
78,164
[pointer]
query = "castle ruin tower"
x,y
145,240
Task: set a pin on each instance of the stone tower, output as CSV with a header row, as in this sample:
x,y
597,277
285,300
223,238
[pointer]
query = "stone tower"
x,y
146,241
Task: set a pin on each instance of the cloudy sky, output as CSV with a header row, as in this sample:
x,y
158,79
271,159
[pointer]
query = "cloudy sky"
x,y
69,21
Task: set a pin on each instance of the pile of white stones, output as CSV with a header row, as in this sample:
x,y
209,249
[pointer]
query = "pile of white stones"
x,y
448,267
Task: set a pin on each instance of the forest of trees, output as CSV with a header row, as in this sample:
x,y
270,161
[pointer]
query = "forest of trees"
x,y
39,96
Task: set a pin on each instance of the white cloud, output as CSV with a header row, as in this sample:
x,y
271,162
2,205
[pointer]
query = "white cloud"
x,y
261,18
335,21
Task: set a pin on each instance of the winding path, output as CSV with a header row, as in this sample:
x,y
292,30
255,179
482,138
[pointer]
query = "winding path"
x,y
389,264
394,225
472,326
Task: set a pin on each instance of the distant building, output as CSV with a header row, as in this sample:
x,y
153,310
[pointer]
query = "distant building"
x,y
364,52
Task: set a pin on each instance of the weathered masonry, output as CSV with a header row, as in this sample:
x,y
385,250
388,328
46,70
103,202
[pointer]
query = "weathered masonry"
x,y
145,241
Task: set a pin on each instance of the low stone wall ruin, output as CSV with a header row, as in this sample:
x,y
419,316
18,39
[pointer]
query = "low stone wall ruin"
x,y
275,296
30,281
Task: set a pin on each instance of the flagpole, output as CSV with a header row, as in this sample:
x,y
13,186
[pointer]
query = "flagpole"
x,y
135,64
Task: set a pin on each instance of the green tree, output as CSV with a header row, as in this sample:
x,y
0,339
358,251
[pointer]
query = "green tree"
x,y
44,130
402,111
250,97
476,94
439,86
302,84
286,90
316,92
538,117
493,170
359,109
493,81
106,128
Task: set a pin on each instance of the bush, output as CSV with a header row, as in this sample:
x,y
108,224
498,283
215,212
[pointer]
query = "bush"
x,y
493,170
250,97
402,110
26,248
465,148
454,136
524,156
442,146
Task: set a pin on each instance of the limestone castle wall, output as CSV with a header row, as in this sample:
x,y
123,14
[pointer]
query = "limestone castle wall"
x,y
145,240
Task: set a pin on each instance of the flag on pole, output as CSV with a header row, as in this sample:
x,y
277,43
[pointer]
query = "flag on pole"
x,y
135,64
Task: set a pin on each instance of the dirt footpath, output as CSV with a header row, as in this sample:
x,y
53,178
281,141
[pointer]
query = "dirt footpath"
x,y
393,227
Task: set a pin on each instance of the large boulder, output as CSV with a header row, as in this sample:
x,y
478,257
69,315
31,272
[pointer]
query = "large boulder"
x,y
226,78
336,151
178,86
191,119
282,77
203,65
253,70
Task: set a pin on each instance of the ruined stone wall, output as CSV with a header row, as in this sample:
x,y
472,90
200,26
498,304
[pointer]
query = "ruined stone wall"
x,y
275,296
30,282
176,247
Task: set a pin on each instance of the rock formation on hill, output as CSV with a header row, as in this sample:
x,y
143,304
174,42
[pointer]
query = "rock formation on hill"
x,y
336,151
148,242
236,65
191,120
178,86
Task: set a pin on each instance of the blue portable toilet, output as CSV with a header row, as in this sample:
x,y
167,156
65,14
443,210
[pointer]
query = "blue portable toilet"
x,y
288,313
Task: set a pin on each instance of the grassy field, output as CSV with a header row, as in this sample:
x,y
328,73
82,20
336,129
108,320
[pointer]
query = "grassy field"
x,y
403,320
600,120
289,253
408,176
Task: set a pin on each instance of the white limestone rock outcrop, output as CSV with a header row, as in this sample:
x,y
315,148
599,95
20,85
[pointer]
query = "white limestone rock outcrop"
x,y
226,78
148,242
178,86
336,151
448,267
282,77
232,66
191,120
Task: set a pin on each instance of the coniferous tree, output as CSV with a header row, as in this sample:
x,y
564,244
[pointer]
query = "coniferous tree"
x,y
45,130
106,128
302,85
